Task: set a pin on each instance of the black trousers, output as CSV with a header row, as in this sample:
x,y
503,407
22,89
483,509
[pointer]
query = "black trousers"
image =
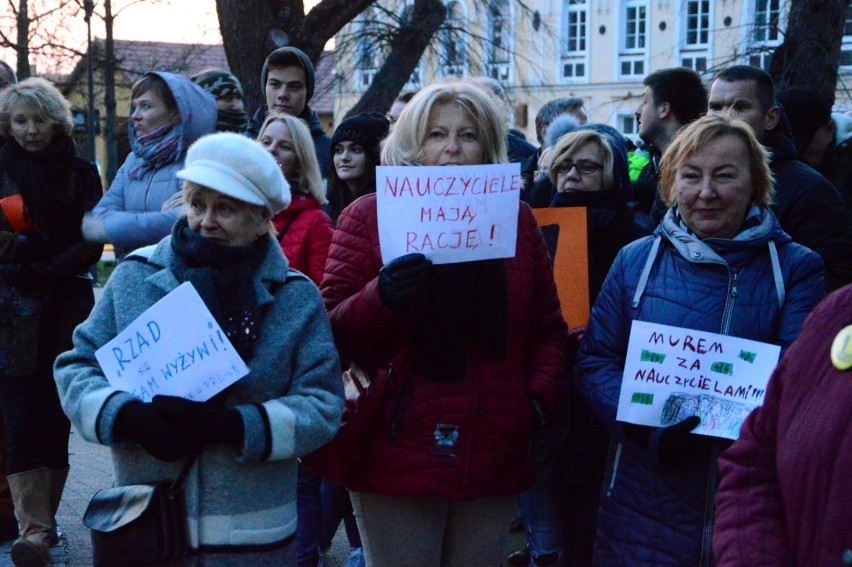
x,y
36,427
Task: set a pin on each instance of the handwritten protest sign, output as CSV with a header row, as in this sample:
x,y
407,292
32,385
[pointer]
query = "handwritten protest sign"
x,y
450,214
564,231
673,373
174,348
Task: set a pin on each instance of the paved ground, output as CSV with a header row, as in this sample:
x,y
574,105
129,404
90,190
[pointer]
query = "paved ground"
x,y
91,469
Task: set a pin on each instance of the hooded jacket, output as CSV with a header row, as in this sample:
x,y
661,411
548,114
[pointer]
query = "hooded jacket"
x,y
760,286
488,410
237,500
809,208
322,143
131,209
610,223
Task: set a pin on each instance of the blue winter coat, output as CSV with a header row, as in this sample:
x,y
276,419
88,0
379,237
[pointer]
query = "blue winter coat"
x,y
760,286
131,209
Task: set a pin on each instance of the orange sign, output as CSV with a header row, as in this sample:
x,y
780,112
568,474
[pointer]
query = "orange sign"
x,y
564,230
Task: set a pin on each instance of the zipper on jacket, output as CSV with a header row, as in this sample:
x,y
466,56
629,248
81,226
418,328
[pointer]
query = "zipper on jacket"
x,y
729,302
615,461
148,190
710,508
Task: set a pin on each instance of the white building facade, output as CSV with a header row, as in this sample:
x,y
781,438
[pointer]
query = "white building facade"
x,y
599,50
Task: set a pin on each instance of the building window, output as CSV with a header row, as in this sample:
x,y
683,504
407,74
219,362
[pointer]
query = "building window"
x,y
846,46
765,33
627,124
632,56
367,54
697,22
498,40
634,26
575,39
451,39
696,39
767,16
697,63
576,26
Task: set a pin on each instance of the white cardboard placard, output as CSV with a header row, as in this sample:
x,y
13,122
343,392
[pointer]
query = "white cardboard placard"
x,y
672,373
174,348
450,214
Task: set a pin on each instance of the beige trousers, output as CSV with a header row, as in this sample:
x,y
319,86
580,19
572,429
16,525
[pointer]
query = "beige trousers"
x,y
432,532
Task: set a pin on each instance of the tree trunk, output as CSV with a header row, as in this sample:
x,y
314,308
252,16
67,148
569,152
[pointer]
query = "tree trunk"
x,y
23,39
406,49
810,53
246,28
251,29
109,95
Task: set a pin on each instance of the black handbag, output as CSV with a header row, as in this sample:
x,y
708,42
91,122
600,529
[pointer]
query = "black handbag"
x,y
138,524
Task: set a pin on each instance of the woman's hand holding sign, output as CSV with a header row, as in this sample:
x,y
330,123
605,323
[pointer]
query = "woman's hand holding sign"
x,y
401,279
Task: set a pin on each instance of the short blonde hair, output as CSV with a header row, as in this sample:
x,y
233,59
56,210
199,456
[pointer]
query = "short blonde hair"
x,y
704,130
309,178
571,143
36,95
403,146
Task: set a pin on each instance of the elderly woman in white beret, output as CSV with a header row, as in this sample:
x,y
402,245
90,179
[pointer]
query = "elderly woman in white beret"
x,y
240,492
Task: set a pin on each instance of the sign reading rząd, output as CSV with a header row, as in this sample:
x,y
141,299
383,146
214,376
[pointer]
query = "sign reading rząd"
x,y
672,373
174,348
448,213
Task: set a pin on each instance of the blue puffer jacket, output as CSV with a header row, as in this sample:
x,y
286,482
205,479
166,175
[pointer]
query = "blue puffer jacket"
x,y
131,209
760,286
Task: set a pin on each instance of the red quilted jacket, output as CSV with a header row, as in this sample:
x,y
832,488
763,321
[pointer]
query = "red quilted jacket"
x,y
304,232
458,441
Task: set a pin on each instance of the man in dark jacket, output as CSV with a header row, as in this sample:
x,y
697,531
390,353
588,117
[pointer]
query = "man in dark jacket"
x,y
672,99
288,85
807,205
550,111
823,140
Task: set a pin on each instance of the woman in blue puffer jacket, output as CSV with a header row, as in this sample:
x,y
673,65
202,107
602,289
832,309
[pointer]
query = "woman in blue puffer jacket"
x,y
719,262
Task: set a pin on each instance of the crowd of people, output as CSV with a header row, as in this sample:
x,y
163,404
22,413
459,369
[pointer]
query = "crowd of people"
x,y
730,216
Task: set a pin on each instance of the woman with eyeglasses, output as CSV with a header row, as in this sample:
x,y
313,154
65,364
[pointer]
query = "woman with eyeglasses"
x,y
588,168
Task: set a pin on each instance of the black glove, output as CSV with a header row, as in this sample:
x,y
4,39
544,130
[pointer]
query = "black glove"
x,y
675,443
144,424
401,279
207,423
670,444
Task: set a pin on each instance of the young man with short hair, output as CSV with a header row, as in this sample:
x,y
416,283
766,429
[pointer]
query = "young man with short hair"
x,y
288,80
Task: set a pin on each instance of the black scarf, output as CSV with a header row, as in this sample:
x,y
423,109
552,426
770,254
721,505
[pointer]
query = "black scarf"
x,y
43,178
463,305
224,278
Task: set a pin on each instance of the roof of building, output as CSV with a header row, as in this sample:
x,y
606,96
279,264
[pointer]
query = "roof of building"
x,y
135,58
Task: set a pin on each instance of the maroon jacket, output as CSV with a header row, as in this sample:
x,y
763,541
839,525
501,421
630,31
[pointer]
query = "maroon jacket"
x,y
304,232
487,418
785,497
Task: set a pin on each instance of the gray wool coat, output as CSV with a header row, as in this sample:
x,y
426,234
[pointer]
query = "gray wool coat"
x,y
241,504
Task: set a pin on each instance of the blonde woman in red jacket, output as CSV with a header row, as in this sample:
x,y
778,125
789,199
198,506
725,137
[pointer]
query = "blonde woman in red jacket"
x,y
473,354
303,229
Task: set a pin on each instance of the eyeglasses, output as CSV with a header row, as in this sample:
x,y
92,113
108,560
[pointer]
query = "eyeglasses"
x,y
584,167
